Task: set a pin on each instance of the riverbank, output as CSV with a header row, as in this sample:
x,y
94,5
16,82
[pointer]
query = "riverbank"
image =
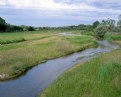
x,y
18,57
98,77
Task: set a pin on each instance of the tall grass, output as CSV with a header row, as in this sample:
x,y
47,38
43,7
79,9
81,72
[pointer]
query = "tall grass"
x,y
7,38
99,77
113,36
16,58
83,32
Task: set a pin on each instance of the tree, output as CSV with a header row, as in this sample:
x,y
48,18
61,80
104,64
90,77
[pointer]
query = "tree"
x,y
9,28
2,24
30,28
119,23
109,24
100,31
95,24
18,28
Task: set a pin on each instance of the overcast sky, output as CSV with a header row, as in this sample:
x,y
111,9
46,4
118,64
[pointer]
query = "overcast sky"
x,y
58,12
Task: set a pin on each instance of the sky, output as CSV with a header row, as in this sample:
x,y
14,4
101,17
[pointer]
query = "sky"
x,y
58,12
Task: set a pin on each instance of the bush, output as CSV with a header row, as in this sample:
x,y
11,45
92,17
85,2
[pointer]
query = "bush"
x,y
100,31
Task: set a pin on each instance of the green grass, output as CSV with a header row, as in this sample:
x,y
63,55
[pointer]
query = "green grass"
x,y
113,36
8,38
17,57
98,77
82,32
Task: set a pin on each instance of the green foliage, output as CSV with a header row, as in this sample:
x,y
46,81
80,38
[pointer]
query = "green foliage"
x,y
7,27
104,27
100,31
30,28
16,58
95,24
2,24
10,28
113,36
109,24
119,23
2,21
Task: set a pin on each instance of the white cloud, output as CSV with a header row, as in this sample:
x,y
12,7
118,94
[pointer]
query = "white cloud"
x,y
78,9
46,4
2,3
61,5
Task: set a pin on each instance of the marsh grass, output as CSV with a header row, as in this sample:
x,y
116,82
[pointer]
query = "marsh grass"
x,y
8,38
98,77
83,32
113,36
16,58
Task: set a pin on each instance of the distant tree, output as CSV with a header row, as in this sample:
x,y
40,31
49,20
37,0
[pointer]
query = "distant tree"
x,y
25,28
30,28
17,28
95,24
9,28
2,24
84,27
119,23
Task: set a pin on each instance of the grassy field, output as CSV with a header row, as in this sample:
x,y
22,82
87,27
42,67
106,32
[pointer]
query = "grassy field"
x,y
16,37
113,36
116,37
8,38
98,77
83,32
21,51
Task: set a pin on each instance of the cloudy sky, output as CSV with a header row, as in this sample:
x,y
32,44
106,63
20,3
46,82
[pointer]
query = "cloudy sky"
x,y
58,12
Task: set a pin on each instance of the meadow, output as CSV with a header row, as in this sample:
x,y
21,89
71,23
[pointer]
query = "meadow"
x,y
116,37
23,50
98,77
95,78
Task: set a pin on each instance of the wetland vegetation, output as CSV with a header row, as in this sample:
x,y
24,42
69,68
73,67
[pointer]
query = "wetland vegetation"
x,y
23,47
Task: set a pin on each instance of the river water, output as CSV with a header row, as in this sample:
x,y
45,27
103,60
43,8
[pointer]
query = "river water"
x,y
39,77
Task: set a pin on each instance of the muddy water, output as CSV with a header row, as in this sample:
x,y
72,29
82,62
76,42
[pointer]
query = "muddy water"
x,y
39,77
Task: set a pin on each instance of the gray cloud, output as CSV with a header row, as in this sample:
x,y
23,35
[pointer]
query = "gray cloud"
x,y
58,12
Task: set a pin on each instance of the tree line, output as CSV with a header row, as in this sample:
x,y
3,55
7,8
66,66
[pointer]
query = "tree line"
x,y
5,27
98,27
